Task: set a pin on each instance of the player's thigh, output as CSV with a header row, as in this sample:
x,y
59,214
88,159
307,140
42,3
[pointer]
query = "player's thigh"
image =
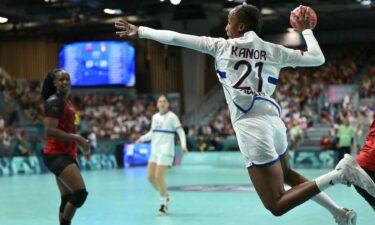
x,y
71,177
151,169
369,198
161,170
291,177
285,165
268,182
64,190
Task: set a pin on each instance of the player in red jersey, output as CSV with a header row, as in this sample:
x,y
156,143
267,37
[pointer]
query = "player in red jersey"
x,y
366,159
60,151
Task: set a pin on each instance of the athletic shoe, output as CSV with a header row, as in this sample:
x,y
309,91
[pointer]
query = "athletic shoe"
x,y
163,210
168,201
349,218
352,173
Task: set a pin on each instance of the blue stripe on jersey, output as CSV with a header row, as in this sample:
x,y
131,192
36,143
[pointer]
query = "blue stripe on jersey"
x,y
273,80
252,104
222,74
164,131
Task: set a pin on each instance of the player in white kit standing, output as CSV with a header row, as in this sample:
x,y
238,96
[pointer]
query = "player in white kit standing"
x,y
248,69
164,125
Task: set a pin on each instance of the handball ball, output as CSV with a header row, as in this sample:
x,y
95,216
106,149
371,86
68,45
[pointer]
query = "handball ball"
x,y
297,11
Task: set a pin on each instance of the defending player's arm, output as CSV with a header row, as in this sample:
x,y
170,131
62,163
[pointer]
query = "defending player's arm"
x,y
53,108
203,44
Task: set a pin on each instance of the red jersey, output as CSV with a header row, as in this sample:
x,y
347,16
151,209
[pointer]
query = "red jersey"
x,y
366,157
64,112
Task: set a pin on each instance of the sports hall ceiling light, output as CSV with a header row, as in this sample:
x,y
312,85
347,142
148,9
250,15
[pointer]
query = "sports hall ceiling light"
x,y
267,11
175,2
113,11
132,18
162,0
3,19
366,2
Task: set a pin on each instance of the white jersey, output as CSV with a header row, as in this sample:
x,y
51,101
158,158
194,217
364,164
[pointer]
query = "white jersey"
x,y
247,67
162,133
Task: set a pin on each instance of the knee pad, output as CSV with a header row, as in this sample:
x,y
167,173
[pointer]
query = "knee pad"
x,y
78,197
64,200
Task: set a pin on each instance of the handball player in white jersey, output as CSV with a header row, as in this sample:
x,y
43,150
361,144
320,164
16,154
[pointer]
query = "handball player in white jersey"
x,y
164,125
248,69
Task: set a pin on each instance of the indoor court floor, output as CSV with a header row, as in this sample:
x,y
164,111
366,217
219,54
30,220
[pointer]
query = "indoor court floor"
x,y
123,196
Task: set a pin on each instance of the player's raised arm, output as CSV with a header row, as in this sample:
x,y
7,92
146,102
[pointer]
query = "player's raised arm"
x,y
314,55
203,44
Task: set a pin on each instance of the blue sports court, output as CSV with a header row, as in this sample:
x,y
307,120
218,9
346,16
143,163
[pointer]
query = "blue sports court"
x,y
124,196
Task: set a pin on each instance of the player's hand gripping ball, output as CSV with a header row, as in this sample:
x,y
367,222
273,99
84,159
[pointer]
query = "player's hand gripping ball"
x,y
310,14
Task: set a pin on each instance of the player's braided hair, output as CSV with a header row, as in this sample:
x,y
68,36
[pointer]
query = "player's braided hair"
x,y
49,88
250,16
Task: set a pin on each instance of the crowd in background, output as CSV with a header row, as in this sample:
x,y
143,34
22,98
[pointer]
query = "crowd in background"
x,y
300,92
114,116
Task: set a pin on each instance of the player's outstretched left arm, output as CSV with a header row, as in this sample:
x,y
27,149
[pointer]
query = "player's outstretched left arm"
x,y
203,44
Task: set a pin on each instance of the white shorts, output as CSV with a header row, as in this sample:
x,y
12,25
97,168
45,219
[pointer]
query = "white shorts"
x,y
262,139
162,159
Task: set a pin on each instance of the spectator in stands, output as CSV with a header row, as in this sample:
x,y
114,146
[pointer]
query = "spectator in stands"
x,y
90,135
345,137
325,143
202,145
93,141
21,146
295,135
5,142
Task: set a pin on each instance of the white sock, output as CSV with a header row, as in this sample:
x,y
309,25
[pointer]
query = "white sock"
x,y
163,200
324,200
327,180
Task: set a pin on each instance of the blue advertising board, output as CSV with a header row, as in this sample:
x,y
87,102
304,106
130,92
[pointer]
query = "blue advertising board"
x,y
136,154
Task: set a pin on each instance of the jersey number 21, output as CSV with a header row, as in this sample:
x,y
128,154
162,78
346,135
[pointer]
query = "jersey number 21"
x,y
248,90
